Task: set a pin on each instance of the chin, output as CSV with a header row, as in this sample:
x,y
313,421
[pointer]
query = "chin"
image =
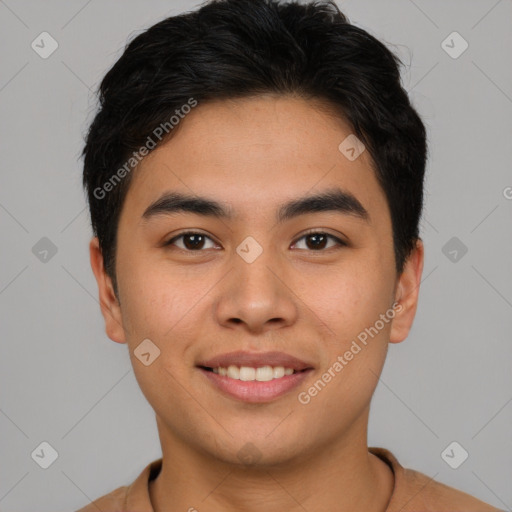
x,y
255,451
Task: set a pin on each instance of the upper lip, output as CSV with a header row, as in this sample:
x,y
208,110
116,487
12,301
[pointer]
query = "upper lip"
x,y
255,360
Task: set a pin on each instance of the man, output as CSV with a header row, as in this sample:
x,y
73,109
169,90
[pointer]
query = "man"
x,y
255,181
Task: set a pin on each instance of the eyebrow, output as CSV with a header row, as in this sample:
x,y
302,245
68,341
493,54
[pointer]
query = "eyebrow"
x,y
332,200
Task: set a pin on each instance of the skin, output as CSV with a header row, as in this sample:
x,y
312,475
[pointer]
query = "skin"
x,y
255,154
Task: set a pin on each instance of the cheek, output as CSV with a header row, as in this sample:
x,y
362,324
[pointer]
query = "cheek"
x,y
157,303
357,340
160,307
350,298
350,303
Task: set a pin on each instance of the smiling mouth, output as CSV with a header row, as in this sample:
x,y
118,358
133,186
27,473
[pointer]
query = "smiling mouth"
x,y
255,377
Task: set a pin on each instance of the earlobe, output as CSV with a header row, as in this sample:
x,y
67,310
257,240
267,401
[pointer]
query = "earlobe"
x,y
109,304
407,293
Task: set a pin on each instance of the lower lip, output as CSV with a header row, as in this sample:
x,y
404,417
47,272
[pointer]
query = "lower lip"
x,y
255,391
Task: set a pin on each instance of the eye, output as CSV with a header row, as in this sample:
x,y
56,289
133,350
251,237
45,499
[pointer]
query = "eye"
x,y
192,241
319,239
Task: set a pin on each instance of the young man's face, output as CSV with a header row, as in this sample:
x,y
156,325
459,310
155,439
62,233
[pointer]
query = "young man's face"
x,y
256,284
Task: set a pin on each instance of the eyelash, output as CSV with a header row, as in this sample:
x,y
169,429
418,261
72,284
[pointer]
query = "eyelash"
x,y
340,242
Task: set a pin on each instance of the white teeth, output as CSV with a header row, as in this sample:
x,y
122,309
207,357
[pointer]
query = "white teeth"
x,y
234,372
247,373
278,372
265,373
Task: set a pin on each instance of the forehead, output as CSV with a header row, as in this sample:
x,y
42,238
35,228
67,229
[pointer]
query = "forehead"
x,y
255,151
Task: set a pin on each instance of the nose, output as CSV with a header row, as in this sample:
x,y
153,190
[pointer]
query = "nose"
x,y
256,296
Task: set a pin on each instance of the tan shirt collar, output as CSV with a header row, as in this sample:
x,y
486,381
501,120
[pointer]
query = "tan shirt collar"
x,y
412,491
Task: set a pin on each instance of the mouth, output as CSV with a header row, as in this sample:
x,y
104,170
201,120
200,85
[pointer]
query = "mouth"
x,y
255,378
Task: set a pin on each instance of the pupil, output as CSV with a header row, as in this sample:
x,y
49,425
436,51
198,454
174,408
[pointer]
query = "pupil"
x,y
316,236
195,244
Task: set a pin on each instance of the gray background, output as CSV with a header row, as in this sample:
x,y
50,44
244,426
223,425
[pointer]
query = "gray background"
x,y
64,382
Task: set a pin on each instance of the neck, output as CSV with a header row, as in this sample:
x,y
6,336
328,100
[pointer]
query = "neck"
x,y
340,476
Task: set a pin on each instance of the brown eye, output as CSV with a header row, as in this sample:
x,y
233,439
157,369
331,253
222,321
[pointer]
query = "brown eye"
x,y
192,241
318,240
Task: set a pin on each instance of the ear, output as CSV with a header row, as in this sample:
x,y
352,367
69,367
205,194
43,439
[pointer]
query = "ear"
x,y
406,295
109,304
